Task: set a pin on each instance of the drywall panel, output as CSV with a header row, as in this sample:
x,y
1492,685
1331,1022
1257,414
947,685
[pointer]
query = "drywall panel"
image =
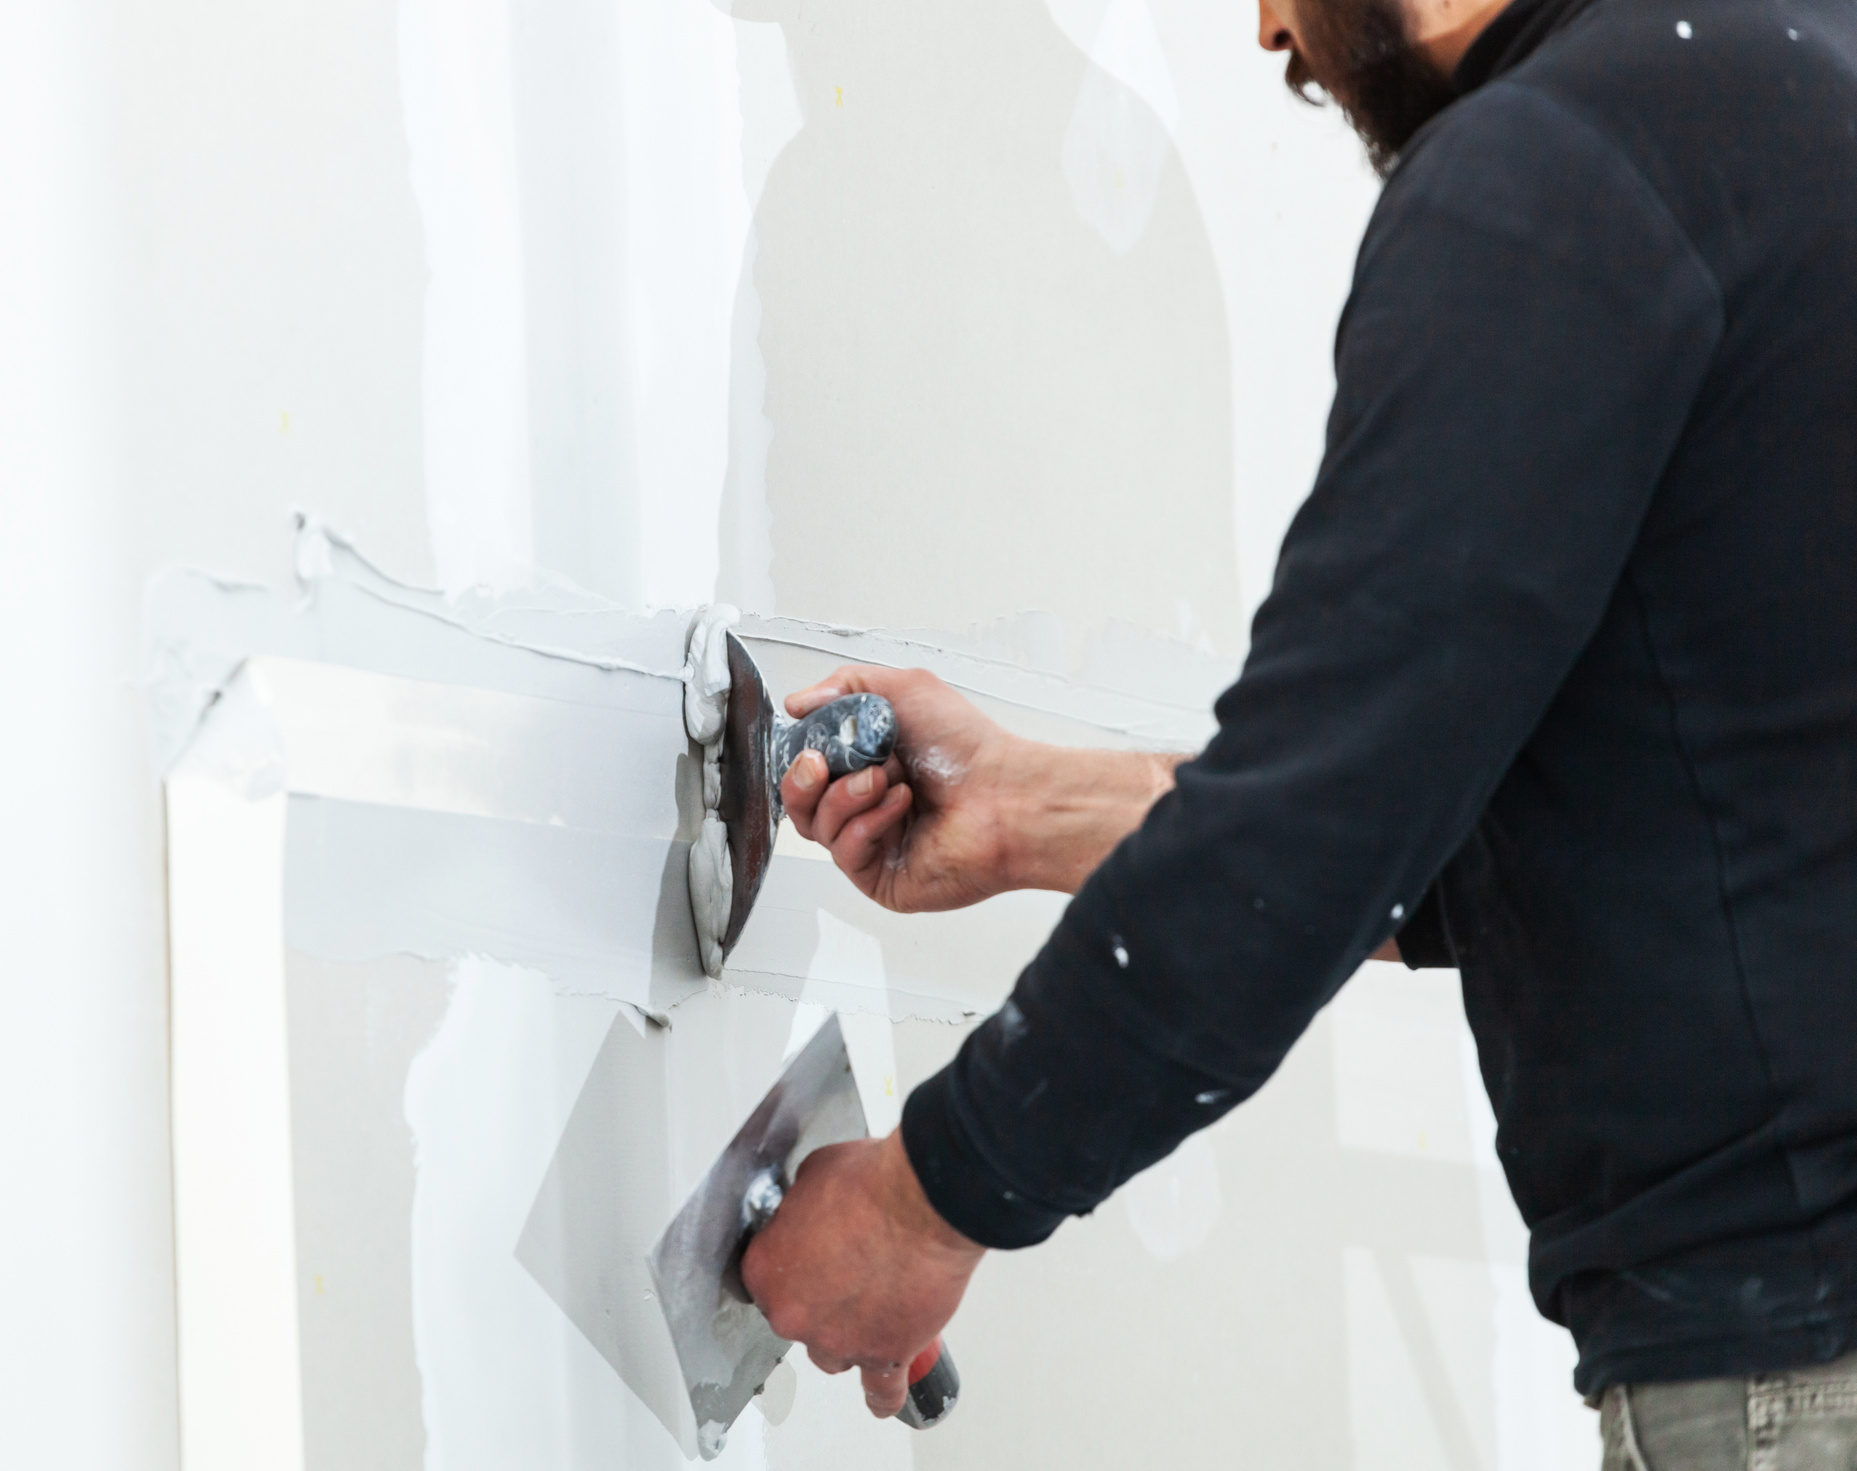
x,y
999,330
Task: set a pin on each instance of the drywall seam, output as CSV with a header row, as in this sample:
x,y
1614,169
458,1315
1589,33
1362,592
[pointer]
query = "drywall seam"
x,y
915,644
510,776
321,553
848,998
363,737
1174,723
198,627
602,914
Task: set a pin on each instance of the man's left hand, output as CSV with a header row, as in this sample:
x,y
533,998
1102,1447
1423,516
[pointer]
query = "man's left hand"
x,y
857,1266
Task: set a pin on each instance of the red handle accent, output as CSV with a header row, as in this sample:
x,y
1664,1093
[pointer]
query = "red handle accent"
x,y
920,1365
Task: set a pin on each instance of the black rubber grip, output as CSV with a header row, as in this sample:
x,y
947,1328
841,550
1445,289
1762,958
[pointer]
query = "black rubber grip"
x,y
931,1398
852,732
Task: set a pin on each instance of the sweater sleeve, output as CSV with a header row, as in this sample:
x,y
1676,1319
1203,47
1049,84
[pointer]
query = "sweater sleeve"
x,y
1527,333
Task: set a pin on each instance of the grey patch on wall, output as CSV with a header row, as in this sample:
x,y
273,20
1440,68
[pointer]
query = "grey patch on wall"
x,y
604,1199
598,913
354,1031
658,1104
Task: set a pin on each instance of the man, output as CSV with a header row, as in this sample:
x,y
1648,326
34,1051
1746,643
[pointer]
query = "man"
x,y
1557,684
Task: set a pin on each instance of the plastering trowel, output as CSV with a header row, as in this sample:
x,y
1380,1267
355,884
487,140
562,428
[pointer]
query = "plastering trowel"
x,y
724,1346
748,746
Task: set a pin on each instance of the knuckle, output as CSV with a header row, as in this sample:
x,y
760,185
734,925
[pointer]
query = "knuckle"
x,y
786,1321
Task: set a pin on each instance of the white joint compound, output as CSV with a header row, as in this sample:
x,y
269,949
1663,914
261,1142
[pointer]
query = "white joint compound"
x,y
712,890
706,678
705,704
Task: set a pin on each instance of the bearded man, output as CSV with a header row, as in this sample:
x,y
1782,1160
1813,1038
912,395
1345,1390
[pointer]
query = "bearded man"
x,y
1557,685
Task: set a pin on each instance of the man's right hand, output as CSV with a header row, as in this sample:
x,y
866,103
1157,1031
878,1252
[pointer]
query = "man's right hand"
x,y
929,829
964,809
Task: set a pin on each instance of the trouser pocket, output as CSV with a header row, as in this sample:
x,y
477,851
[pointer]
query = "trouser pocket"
x,y
1804,1421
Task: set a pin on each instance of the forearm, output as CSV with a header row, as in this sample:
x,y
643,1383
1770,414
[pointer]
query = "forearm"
x,y
1063,810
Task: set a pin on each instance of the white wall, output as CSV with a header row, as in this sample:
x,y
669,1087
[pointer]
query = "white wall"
x,y
87,1351
999,320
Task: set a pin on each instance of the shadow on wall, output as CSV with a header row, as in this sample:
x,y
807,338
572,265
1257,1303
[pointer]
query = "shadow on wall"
x,y
996,363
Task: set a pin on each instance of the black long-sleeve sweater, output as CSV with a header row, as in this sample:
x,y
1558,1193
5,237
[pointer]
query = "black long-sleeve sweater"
x,y
1562,654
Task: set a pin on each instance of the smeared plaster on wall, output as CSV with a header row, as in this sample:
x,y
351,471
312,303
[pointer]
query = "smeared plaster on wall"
x,y
655,1110
771,116
507,1378
456,90
509,775
601,1205
601,914
688,214
587,175
198,628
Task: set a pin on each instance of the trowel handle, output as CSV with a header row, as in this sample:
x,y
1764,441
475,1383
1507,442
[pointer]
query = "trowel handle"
x,y
852,732
934,1386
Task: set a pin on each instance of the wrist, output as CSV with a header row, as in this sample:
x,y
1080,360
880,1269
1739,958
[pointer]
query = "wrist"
x,y
908,1206
1064,809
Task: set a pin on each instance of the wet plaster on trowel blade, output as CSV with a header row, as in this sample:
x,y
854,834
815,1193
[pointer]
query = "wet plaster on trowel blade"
x,y
705,711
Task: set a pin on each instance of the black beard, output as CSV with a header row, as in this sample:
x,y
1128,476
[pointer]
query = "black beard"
x,y
1360,55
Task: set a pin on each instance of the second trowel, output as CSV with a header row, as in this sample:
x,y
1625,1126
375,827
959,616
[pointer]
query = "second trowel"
x,y
724,1346
747,747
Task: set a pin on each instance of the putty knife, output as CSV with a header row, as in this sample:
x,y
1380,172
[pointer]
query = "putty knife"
x,y
724,1346
757,745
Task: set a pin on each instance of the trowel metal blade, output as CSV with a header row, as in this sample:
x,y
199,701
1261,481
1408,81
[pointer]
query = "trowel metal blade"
x,y
750,798
724,1345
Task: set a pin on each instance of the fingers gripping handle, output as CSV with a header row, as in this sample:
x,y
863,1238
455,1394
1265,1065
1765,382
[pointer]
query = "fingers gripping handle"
x,y
934,1382
851,733
934,1386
